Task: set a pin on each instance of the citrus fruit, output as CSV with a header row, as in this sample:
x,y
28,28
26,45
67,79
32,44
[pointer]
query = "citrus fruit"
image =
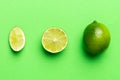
x,y
96,38
17,39
54,40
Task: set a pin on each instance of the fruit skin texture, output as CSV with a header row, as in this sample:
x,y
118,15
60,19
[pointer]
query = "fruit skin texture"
x,y
96,38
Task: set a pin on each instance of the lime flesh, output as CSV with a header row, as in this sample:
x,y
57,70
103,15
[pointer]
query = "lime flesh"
x,y
17,39
54,40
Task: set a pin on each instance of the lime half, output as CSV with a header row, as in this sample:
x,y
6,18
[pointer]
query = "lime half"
x,y
17,39
54,40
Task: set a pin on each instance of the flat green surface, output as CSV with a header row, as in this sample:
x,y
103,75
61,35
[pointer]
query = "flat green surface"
x,y
35,16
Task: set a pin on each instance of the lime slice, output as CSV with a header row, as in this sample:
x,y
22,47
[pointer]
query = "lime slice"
x,y
54,40
17,39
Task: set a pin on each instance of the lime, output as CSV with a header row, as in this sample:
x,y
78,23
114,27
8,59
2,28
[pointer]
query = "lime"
x,y
54,40
17,39
96,38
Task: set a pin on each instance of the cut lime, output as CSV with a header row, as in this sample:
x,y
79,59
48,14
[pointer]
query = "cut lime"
x,y
54,40
96,38
17,39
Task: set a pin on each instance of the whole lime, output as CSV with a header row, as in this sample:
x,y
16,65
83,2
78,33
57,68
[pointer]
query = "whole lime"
x,y
96,38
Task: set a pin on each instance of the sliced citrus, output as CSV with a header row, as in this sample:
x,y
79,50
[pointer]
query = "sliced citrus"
x,y
54,40
17,39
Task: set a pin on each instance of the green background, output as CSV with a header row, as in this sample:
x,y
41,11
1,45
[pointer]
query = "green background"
x,y
35,16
